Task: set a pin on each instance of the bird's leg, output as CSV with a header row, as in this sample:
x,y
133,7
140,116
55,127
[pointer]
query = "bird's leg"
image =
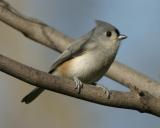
x,y
79,84
106,91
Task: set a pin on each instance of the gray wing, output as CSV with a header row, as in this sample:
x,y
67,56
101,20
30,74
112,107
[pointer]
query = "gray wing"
x,y
73,50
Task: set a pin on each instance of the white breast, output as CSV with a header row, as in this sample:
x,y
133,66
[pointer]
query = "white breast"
x,y
88,67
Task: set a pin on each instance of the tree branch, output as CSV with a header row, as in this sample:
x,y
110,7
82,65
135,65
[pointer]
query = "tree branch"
x,y
145,93
141,101
33,28
133,79
50,37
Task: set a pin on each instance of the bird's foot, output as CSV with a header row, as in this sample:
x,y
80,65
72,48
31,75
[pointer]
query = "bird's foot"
x,y
79,84
105,90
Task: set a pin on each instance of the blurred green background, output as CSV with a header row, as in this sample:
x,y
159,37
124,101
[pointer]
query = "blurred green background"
x,y
138,19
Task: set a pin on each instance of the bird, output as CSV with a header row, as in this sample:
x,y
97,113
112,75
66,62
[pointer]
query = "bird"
x,y
86,59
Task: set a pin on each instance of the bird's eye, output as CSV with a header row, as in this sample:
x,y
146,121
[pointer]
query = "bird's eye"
x,y
108,33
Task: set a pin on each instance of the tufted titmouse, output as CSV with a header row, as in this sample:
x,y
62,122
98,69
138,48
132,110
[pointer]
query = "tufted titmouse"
x,y
86,59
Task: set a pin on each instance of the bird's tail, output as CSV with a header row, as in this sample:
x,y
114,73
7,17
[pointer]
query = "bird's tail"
x,y
32,95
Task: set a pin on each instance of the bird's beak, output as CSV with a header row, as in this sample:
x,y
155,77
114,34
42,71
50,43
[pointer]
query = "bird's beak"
x,y
122,37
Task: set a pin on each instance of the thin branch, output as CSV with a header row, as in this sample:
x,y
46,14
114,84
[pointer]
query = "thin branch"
x,y
141,101
50,37
133,79
33,28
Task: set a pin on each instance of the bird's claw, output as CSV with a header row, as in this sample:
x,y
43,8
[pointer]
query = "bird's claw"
x,y
79,84
106,91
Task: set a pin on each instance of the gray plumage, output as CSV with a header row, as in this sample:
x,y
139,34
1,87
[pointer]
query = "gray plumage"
x,y
92,55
